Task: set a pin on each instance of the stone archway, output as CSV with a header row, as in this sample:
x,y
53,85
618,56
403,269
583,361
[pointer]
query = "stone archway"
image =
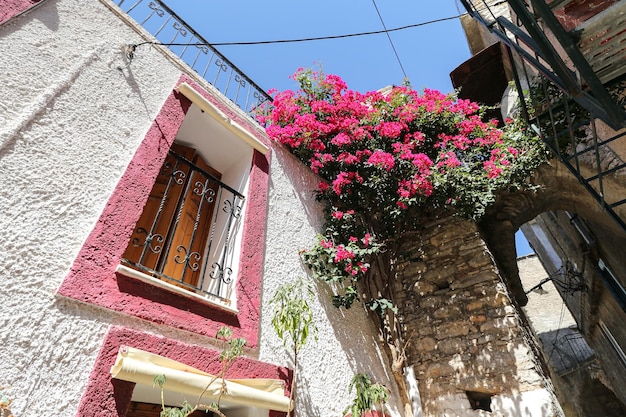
x,y
568,245
458,325
558,190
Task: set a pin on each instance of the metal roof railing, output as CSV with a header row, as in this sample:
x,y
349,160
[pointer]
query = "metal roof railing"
x,y
172,31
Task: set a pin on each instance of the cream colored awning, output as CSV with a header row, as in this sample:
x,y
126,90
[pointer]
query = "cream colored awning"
x,y
140,367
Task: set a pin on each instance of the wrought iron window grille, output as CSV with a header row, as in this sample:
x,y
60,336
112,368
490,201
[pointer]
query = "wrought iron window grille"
x,y
186,237
570,352
559,104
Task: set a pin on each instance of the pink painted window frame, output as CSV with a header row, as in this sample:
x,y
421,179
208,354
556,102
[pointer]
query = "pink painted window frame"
x,y
108,397
92,278
12,8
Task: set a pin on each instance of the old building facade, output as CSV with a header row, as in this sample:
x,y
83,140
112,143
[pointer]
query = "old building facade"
x,y
87,121
145,208
565,59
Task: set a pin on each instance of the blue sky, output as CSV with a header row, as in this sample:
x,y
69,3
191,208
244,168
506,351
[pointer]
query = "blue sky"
x,y
427,53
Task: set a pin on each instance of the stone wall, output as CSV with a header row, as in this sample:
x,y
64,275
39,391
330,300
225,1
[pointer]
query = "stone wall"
x,y
465,340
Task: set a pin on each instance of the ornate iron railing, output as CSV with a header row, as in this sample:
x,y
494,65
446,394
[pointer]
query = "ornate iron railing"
x,y
187,232
569,352
172,31
561,104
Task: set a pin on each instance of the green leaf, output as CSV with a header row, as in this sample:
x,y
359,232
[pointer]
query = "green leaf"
x,y
293,316
159,380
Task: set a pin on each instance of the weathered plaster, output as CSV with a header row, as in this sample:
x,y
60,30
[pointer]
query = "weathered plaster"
x,y
12,8
92,278
295,218
73,114
108,397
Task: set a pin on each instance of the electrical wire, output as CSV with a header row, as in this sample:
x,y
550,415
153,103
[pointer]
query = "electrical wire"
x,y
406,78
320,38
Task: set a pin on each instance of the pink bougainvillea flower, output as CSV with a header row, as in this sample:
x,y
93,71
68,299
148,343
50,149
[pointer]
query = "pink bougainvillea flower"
x,y
412,145
343,179
390,129
343,253
347,158
382,159
325,243
341,139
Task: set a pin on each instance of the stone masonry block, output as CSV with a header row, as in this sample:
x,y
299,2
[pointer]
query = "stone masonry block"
x,y
448,312
473,280
453,329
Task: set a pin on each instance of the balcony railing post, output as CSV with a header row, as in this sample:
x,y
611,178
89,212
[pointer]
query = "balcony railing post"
x,y
146,12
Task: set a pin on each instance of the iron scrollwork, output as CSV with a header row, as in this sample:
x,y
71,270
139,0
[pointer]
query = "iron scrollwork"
x,y
203,190
240,80
180,28
159,12
191,259
148,240
233,209
219,272
220,63
203,48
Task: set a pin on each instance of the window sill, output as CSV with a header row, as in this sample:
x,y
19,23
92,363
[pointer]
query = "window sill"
x,y
203,299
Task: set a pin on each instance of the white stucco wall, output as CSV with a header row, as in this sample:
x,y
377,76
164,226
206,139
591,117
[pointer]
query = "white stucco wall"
x,y
71,117
346,341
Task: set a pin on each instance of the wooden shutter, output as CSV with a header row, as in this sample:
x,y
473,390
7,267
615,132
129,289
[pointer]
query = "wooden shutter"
x,y
196,213
181,200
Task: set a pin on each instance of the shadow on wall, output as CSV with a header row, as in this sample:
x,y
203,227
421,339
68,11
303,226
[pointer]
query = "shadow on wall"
x,y
357,335
494,382
520,405
579,376
352,329
47,14
464,334
304,183
528,404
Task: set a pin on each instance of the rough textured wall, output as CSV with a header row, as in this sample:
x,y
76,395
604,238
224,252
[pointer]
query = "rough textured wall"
x,y
464,334
294,220
579,381
11,8
70,121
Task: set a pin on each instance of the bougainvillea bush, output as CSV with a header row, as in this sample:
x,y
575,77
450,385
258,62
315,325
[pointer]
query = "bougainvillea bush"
x,y
386,159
